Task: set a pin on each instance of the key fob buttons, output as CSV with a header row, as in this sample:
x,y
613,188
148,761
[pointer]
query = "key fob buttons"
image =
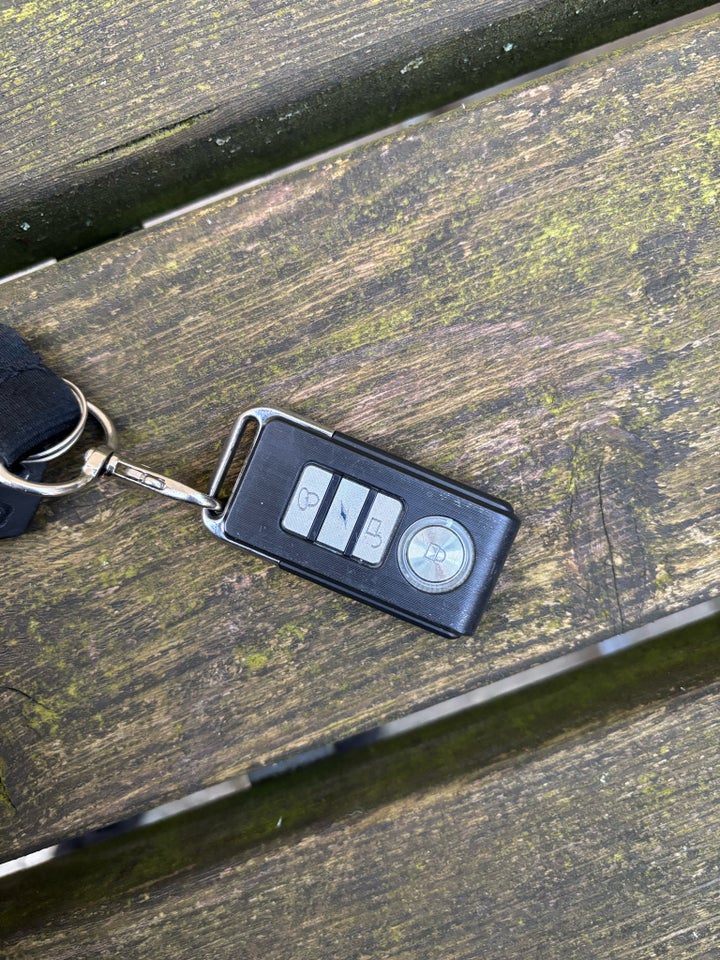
x,y
357,521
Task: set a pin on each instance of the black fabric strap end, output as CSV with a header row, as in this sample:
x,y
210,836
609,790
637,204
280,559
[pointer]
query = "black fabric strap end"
x,y
37,408
36,405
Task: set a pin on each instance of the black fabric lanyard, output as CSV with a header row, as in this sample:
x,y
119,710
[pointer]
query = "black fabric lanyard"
x,y
37,407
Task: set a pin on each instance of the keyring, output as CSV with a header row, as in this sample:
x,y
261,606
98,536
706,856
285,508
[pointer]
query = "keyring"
x,y
92,467
71,439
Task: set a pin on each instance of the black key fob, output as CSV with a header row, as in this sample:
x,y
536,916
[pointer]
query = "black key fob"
x,y
360,521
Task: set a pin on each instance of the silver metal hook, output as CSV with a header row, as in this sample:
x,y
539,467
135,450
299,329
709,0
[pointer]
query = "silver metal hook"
x,y
105,461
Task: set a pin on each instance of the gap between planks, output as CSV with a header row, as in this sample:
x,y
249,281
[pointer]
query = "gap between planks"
x,y
350,145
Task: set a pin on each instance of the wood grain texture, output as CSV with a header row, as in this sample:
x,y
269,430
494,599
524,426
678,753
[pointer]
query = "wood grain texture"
x,y
522,294
603,845
114,112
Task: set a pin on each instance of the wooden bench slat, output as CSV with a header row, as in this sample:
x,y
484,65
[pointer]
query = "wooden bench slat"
x,y
522,294
603,844
113,114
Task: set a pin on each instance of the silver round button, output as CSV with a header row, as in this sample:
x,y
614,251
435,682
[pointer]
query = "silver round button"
x,y
436,554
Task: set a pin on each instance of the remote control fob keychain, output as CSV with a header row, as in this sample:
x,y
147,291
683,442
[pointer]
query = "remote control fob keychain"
x,y
320,504
360,521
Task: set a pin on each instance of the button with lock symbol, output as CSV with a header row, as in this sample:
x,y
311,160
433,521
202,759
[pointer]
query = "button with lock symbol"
x,y
436,554
306,500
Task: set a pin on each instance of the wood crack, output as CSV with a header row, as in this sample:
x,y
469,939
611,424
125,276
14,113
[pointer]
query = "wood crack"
x,y
610,547
22,694
141,143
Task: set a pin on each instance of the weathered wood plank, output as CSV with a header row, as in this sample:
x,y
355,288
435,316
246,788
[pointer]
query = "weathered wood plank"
x,y
113,113
599,844
523,294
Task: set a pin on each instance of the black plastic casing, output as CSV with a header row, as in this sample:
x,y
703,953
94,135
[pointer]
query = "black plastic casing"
x,y
252,519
